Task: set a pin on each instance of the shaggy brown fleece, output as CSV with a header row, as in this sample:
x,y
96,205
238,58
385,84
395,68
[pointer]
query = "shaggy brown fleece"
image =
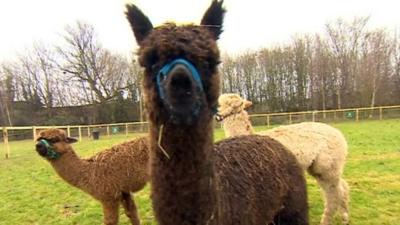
x,y
195,182
259,179
108,176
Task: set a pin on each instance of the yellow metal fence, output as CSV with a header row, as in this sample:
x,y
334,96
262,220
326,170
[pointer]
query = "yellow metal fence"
x,y
80,131
336,115
339,115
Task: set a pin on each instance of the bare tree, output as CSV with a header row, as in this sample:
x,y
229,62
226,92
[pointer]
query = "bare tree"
x,y
134,83
227,69
5,100
35,76
375,66
345,41
246,65
99,73
395,80
301,62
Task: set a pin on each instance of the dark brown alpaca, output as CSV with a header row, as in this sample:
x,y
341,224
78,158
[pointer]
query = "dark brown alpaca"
x,y
108,176
249,180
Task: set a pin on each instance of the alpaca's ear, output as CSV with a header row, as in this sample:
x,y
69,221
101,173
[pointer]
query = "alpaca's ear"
x,y
247,104
71,140
236,101
139,22
214,17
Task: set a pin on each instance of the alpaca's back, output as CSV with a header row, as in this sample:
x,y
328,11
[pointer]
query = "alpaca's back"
x,y
125,164
257,177
311,141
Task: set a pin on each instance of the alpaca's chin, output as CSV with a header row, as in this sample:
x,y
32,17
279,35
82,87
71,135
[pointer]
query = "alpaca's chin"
x,y
183,109
41,151
184,114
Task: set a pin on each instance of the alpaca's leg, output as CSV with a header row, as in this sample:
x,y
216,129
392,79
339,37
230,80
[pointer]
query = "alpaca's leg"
x,y
130,208
110,210
332,193
344,201
327,169
295,208
295,212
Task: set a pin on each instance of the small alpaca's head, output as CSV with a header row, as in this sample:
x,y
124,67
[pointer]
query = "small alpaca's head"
x,y
230,104
181,81
53,143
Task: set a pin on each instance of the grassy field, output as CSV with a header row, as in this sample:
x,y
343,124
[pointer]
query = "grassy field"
x,y
31,192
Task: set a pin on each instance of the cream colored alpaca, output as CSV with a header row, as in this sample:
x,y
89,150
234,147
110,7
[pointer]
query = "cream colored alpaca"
x,y
318,147
235,119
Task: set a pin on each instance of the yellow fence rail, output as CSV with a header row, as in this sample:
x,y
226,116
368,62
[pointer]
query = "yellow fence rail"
x,y
108,129
354,114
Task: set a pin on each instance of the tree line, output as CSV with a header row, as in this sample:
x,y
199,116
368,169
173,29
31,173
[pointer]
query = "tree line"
x,y
348,66
77,82
81,82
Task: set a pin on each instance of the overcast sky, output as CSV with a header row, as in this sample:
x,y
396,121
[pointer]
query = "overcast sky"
x,y
248,23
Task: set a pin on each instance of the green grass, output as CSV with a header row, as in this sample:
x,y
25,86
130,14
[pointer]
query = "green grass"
x,y
31,192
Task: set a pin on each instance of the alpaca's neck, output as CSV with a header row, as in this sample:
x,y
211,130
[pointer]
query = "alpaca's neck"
x,y
72,169
183,185
237,124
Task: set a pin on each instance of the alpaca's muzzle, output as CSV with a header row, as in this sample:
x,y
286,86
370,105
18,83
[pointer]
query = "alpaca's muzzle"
x,y
41,149
181,91
219,117
180,82
45,149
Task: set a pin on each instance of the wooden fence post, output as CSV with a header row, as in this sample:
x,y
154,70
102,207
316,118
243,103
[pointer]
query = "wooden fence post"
x,y
68,131
80,133
380,113
88,131
126,129
6,145
290,118
268,122
313,116
108,131
357,115
34,133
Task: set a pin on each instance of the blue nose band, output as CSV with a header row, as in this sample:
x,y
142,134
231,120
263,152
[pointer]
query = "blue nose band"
x,y
51,153
166,69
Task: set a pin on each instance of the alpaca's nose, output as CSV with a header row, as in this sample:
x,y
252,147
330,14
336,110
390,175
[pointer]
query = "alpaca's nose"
x,y
182,94
181,79
41,149
219,117
39,145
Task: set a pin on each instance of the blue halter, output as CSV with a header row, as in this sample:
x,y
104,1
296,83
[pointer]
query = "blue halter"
x,y
164,71
51,153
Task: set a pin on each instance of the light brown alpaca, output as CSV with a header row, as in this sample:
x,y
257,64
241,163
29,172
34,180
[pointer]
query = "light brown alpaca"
x,y
108,176
319,148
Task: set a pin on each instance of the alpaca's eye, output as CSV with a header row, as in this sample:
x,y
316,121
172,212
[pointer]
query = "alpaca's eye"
x,y
49,140
153,67
151,59
53,140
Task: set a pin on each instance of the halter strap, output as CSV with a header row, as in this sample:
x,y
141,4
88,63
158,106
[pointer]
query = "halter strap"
x,y
230,114
164,71
51,153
